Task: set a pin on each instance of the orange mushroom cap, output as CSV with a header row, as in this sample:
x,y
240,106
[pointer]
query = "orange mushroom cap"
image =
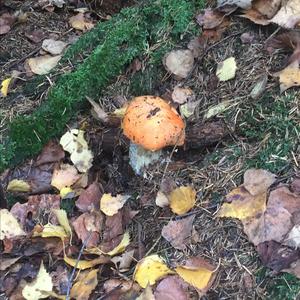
x,y
152,123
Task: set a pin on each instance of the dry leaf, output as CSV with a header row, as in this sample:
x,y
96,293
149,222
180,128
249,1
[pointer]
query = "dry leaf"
x,y
6,21
74,142
64,176
52,152
62,218
188,109
161,199
178,232
226,69
4,87
85,284
123,261
149,270
50,230
198,273
53,47
39,287
80,23
289,77
5,263
122,246
210,19
259,87
289,14
181,95
172,288
217,109
179,62
147,294
182,199
110,205
43,64
239,3
86,264
9,226
121,289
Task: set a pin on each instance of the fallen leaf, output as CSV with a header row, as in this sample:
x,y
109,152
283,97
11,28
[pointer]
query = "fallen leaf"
x,y
182,199
181,95
53,47
293,238
79,22
52,152
258,181
172,288
62,218
239,3
36,289
101,114
247,38
84,285
198,273
35,36
50,230
9,226
147,294
122,246
64,176
188,109
178,232
217,109
226,69
259,87
6,21
210,18
149,270
86,264
88,227
4,87
17,185
289,77
140,158
89,199
120,289
110,205
289,14
162,199
179,62
74,142
60,279
43,64
5,263
123,261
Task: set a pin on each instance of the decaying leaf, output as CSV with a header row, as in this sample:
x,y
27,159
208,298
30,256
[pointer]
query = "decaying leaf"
x,y
43,64
289,77
179,62
86,264
147,294
178,232
9,226
121,289
64,176
149,270
172,288
161,199
188,109
62,218
50,230
123,261
39,288
79,22
4,87
74,142
84,285
6,21
259,87
110,205
182,199
181,95
226,69
198,273
52,152
5,263
217,109
54,47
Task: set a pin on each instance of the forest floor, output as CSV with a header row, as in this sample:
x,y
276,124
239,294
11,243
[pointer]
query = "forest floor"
x,y
258,133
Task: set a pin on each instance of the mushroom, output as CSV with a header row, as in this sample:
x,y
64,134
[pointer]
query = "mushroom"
x,y
153,124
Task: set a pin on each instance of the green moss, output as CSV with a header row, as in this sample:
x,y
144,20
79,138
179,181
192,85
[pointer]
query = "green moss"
x,y
124,37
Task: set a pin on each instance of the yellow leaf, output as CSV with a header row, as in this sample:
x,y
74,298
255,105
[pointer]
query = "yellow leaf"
x,y
17,185
62,218
43,64
9,226
110,205
182,199
242,204
4,87
149,270
50,230
122,246
198,278
86,264
65,191
85,285
39,288
80,23
289,77
226,69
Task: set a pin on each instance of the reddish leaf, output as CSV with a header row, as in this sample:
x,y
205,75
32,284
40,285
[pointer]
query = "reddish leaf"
x,y
6,21
52,152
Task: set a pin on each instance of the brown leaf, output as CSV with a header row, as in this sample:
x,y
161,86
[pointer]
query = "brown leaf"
x,y
289,77
295,186
182,95
172,288
6,21
88,226
52,152
36,208
277,256
35,36
123,261
210,19
89,199
119,289
178,232
79,22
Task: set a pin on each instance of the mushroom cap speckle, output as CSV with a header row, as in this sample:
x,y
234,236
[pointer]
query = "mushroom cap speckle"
x,y
152,123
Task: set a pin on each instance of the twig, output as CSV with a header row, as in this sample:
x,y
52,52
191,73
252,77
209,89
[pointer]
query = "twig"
x,y
75,267
25,57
